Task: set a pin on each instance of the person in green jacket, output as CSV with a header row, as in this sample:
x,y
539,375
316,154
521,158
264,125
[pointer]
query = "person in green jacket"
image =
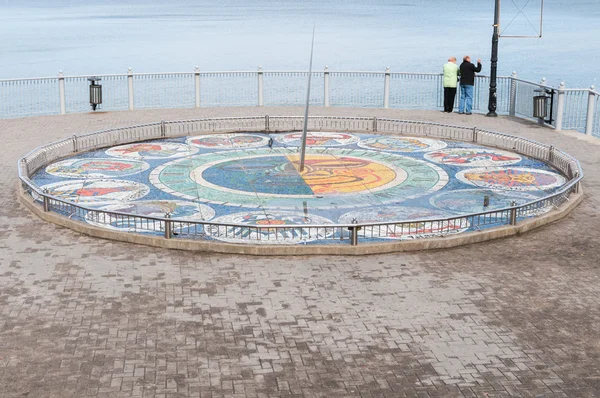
x,y
451,72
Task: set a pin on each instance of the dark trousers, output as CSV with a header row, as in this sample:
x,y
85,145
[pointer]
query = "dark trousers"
x,y
449,95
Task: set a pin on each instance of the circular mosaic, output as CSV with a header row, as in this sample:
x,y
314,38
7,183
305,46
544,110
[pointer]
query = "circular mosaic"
x,y
412,230
94,192
152,150
316,138
511,178
149,208
242,179
473,157
340,177
472,200
228,141
96,168
402,144
266,234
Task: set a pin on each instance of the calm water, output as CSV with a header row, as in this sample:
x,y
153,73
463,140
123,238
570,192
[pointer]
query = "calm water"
x,y
39,37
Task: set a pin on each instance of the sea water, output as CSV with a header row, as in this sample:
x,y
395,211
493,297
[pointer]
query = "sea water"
x,y
39,38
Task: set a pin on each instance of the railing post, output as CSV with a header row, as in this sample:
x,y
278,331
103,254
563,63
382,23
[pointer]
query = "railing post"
x,y
512,108
197,85
266,122
354,233
46,201
163,128
261,100
75,146
513,213
589,122
168,226
326,88
551,154
386,89
130,88
61,92
474,139
375,123
560,107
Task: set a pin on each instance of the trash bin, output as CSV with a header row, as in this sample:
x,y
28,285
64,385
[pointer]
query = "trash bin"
x,y
540,106
95,92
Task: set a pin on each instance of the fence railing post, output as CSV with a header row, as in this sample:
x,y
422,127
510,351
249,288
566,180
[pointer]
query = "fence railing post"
x,y
589,121
197,85
512,106
130,88
61,92
326,88
386,89
46,201
261,100
513,213
560,107
168,226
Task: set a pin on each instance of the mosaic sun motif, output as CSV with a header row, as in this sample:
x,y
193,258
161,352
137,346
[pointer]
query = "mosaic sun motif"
x,y
402,144
511,178
96,168
152,150
472,200
263,177
473,157
228,141
95,192
177,209
412,230
265,233
316,138
322,174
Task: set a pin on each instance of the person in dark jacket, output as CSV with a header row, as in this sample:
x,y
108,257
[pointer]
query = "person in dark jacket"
x,y
467,83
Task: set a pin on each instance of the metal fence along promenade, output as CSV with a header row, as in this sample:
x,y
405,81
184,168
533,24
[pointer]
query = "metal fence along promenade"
x,y
244,233
570,109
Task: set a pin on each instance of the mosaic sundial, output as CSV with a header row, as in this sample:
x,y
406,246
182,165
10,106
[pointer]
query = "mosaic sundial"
x,y
237,179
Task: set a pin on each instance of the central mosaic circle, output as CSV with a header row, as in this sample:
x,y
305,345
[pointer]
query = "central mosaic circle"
x,y
346,175
322,174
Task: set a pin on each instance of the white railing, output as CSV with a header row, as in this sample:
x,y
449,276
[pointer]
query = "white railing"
x,y
573,109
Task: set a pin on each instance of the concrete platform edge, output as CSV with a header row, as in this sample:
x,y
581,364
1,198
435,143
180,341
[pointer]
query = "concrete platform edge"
x,y
298,250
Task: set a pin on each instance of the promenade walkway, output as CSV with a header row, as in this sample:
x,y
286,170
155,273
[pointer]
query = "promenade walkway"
x,y
82,316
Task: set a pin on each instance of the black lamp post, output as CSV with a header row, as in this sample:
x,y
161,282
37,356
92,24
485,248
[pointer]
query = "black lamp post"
x,y
494,62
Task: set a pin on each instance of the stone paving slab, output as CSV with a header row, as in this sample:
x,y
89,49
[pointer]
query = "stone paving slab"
x,y
82,316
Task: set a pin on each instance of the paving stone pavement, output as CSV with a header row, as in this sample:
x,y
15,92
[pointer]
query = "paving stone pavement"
x,y
82,316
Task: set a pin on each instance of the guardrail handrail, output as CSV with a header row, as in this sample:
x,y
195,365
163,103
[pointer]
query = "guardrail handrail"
x,y
568,108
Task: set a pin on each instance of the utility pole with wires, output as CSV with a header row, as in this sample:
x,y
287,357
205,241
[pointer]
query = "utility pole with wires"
x,y
493,100
493,97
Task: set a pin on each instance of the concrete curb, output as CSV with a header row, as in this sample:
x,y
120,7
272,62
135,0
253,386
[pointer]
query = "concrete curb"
x,y
298,250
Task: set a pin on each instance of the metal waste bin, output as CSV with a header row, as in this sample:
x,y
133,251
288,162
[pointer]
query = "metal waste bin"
x,y
95,92
540,104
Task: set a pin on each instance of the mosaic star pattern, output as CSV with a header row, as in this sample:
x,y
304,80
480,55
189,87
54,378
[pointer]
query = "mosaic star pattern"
x,y
240,180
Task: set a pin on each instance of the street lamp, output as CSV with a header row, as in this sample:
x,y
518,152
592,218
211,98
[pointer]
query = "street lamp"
x,y
494,62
